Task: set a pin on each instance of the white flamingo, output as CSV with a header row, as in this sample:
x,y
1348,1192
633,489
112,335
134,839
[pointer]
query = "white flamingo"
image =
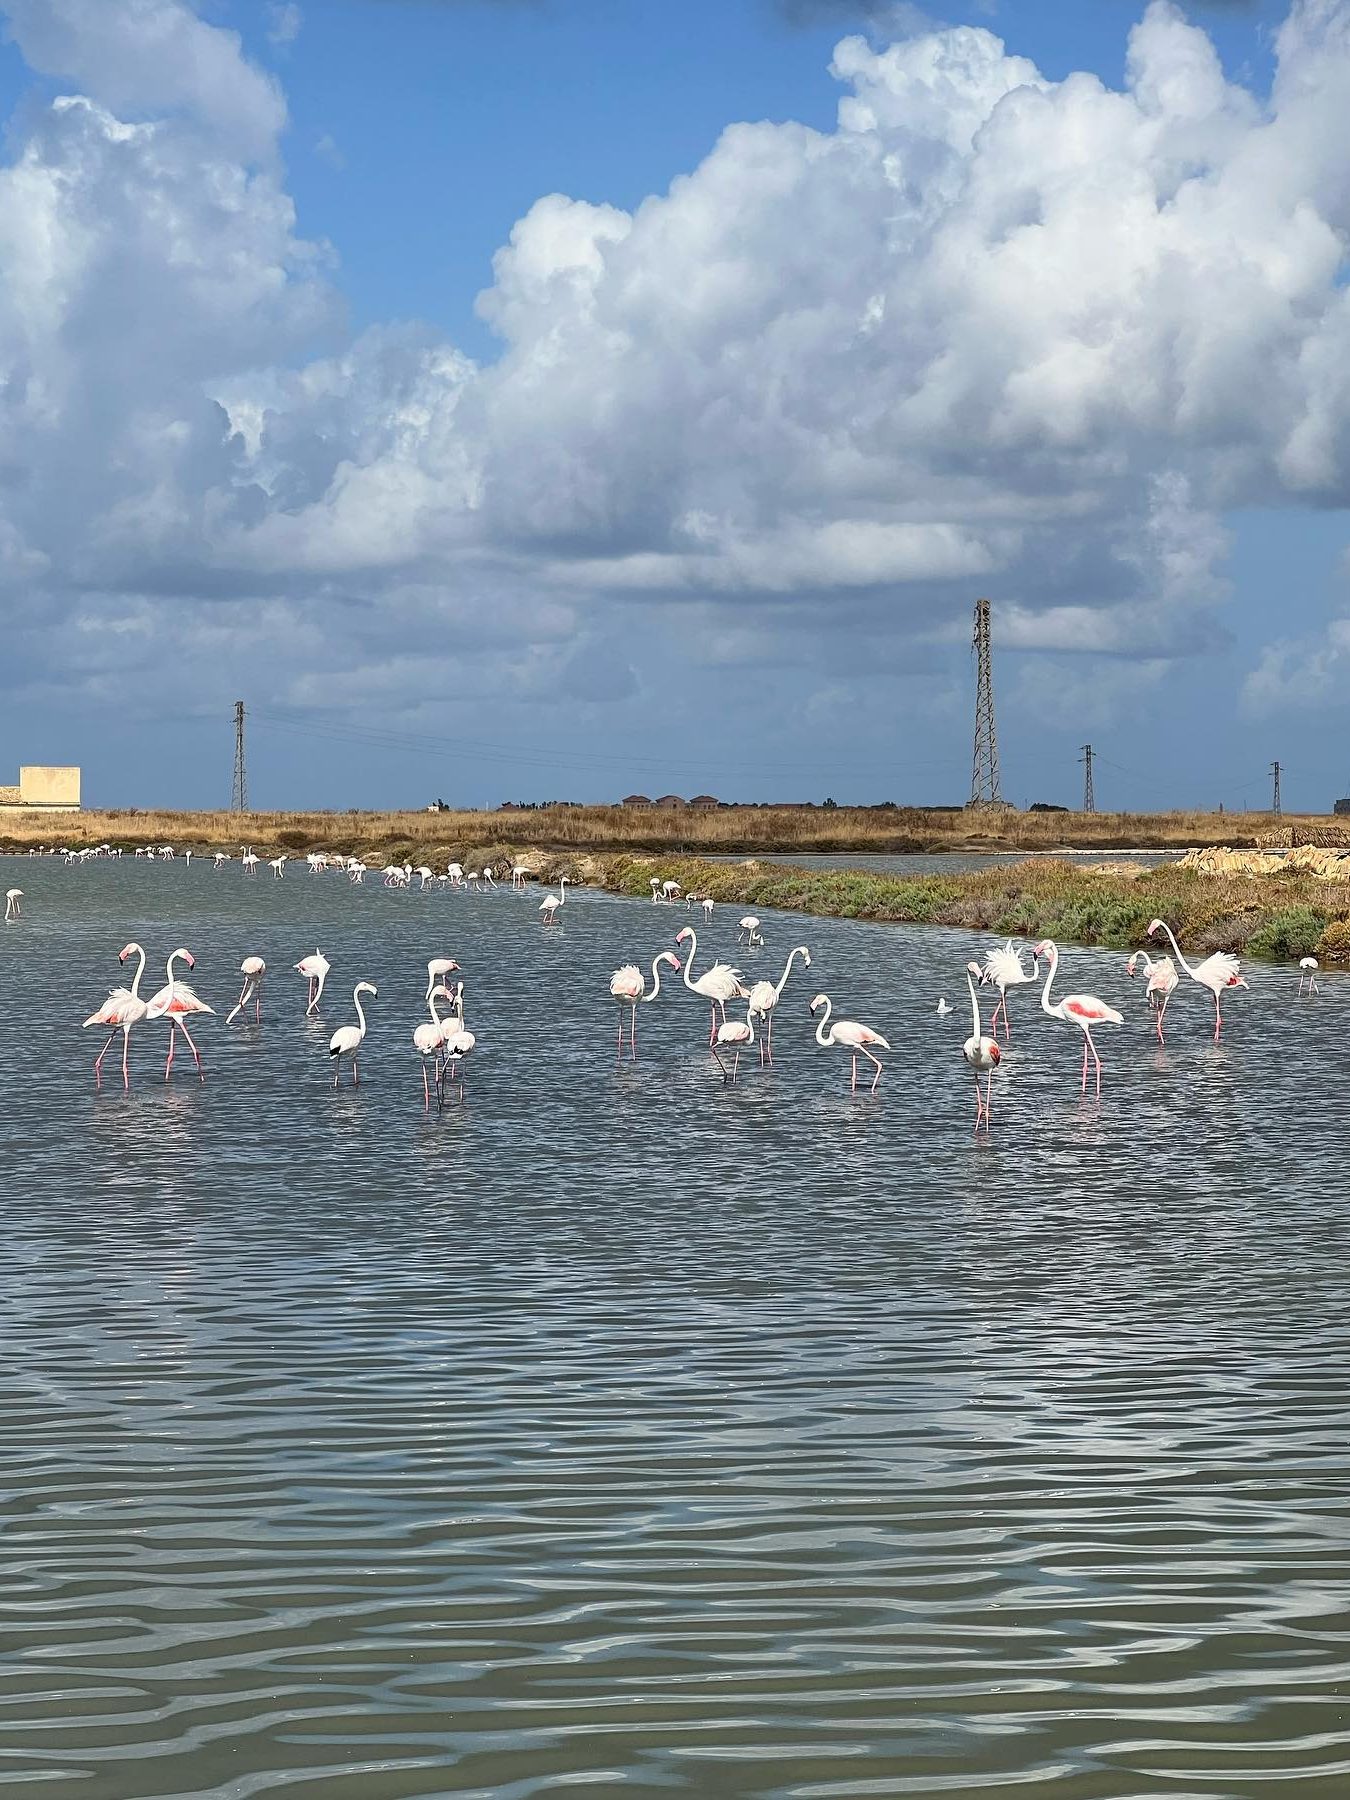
x,y
12,909
717,985
626,986
1161,984
1216,972
253,968
315,971
982,1053
120,1011
737,1035
1003,967
174,1001
848,1035
551,902
347,1039
1082,1010
750,926
1309,965
764,997
427,1039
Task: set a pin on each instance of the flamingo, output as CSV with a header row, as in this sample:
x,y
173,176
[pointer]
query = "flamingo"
x,y
707,904
456,1042
672,891
1162,981
253,968
518,873
625,986
981,1053
736,1034
249,862
717,985
849,1035
1308,964
1216,972
551,902
121,1010
315,971
654,882
173,1002
427,1041
750,926
1083,1010
764,997
346,1040
1003,966
12,908
437,969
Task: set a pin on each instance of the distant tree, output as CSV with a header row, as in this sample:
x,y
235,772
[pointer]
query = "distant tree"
x,y
829,805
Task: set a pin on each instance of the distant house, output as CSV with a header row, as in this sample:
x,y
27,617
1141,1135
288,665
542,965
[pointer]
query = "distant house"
x,y
508,806
671,802
705,802
635,800
1342,806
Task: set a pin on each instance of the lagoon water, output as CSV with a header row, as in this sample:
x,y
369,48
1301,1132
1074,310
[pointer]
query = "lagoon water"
x,y
622,1433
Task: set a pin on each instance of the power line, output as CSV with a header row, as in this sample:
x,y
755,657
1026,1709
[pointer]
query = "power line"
x,y
239,798
984,784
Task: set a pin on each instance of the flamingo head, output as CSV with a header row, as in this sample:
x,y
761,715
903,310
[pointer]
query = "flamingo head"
x,y
669,956
819,1001
1156,927
979,974
1044,949
187,957
130,950
1131,967
680,936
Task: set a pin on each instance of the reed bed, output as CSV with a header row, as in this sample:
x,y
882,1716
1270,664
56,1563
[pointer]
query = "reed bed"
x,y
733,830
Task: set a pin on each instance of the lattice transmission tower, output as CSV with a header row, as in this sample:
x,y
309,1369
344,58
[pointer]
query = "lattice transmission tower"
x,y
1089,798
984,790
239,798
1275,807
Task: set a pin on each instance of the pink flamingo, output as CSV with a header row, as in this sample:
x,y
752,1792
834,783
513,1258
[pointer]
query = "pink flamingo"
x,y
253,968
1083,1010
625,986
174,1001
764,997
737,1034
121,1010
1162,981
427,1038
1216,972
717,985
849,1035
315,971
1003,966
981,1053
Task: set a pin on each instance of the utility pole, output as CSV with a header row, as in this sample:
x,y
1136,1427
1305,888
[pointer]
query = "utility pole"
x,y
1276,808
984,789
1089,799
239,798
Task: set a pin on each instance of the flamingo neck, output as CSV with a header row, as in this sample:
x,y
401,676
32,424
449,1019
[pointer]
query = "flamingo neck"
x,y
656,976
1052,958
1176,948
974,1005
822,1037
689,981
356,1001
168,968
140,970
801,950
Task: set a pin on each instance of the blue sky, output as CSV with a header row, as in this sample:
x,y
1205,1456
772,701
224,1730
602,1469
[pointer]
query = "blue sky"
x,y
693,486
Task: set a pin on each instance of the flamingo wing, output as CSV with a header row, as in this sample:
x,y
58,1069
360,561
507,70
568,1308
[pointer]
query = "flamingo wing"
x,y
1003,966
626,983
1089,1010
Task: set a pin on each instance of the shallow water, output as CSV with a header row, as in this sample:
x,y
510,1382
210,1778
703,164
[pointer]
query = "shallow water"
x,y
619,1432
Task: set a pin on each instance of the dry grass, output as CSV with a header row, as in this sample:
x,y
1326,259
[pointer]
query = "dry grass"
x,y
744,830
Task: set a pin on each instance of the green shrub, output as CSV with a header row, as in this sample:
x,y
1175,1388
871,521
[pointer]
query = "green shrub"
x,y
1292,932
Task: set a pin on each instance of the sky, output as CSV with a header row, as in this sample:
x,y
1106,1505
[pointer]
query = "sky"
x,y
535,399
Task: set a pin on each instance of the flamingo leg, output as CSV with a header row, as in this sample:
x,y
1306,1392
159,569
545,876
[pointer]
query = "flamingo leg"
x,y
257,1004
1160,1014
877,1060
1083,1089
356,1079
619,1051
1218,1019
98,1060
196,1055
768,1033
426,1088
1089,1045
337,1071
126,1074
173,1039
717,1059
988,1098
632,1037
979,1101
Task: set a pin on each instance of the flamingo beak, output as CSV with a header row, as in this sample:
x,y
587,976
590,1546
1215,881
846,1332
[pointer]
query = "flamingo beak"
x,y
191,961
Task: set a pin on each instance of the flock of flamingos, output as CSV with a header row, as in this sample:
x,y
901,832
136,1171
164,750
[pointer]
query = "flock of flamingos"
x,y
443,1042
